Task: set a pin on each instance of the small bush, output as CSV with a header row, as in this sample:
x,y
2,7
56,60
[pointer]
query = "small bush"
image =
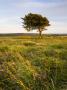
x,y
4,49
50,53
29,43
63,55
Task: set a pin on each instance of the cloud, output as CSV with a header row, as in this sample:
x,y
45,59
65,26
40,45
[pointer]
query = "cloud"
x,y
35,4
48,8
60,9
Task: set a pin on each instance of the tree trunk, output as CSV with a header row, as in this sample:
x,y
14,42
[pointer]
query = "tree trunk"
x,y
40,33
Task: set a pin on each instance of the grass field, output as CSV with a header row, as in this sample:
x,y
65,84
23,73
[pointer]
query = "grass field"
x,y
30,63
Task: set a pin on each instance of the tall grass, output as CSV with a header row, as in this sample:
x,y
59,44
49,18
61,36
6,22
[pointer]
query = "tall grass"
x,y
33,63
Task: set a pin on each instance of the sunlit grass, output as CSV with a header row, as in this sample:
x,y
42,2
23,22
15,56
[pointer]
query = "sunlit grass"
x,y
30,63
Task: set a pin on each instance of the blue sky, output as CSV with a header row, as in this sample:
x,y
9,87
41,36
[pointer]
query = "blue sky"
x,y
12,10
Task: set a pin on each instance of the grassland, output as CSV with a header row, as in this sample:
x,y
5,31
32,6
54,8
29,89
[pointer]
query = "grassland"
x,y
30,63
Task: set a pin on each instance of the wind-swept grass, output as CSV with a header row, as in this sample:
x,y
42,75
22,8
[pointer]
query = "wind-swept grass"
x,y
33,63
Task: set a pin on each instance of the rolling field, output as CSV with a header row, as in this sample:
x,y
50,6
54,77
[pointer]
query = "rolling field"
x,y
30,63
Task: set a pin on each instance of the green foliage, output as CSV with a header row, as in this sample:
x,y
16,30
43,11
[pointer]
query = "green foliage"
x,y
35,21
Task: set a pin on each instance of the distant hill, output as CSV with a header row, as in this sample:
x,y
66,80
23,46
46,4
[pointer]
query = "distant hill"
x,y
29,34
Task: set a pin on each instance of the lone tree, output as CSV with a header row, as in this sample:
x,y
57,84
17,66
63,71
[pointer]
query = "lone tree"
x,y
35,21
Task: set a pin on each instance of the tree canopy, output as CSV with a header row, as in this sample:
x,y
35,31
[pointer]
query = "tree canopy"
x,y
35,21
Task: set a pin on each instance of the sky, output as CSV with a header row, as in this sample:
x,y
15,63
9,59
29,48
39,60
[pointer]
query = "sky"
x,y
11,12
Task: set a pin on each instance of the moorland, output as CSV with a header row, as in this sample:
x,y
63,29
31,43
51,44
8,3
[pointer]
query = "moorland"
x,y
33,63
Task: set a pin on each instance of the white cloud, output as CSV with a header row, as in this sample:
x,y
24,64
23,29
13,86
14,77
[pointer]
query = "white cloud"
x,y
35,4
